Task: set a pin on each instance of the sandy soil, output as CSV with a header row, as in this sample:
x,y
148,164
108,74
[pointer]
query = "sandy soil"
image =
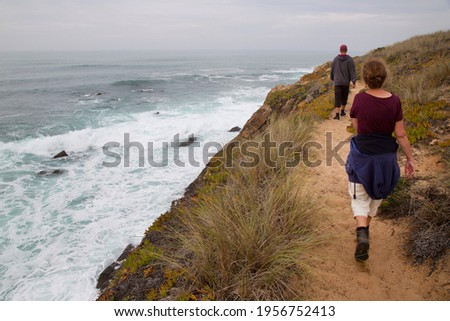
x,y
388,274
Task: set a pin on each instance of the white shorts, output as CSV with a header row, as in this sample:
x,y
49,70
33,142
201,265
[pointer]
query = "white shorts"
x,y
363,205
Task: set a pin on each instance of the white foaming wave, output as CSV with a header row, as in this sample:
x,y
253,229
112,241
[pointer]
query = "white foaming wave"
x,y
215,78
222,70
259,93
225,100
269,78
255,95
16,115
146,125
86,219
76,243
77,141
294,71
79,222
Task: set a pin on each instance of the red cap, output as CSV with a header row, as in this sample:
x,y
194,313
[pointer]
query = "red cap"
x,y
343,48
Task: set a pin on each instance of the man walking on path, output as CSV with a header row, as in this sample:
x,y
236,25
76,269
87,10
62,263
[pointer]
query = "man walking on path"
x,y
342,72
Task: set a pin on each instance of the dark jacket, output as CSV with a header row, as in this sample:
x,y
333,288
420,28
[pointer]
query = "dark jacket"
x,y
378,173
343,70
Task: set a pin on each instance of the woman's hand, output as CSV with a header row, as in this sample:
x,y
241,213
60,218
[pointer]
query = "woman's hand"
x,y
410,168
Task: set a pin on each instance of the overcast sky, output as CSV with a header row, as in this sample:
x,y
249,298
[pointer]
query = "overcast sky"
x,y
215,24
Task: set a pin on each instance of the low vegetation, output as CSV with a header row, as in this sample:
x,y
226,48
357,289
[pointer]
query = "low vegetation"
x,y
426,206
249,238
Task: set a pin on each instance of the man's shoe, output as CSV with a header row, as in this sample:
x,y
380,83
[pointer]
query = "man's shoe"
x,y
343,113
336,117
362,246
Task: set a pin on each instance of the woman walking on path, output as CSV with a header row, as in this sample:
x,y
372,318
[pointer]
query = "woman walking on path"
x,y
372,165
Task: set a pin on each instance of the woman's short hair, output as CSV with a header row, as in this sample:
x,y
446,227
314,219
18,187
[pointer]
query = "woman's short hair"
x,y
374,72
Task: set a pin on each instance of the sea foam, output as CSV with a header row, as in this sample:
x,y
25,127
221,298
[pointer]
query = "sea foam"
x,y
58,232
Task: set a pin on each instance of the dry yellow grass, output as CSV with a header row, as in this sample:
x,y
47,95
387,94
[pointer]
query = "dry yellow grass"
x,y
251,237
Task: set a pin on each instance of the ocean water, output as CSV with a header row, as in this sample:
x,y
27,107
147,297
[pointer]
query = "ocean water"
x,y
62,221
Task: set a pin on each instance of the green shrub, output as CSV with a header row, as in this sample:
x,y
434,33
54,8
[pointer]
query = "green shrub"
x,y
140,257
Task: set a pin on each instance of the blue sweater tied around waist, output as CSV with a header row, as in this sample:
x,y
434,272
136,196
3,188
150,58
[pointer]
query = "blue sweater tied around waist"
x,y
378,173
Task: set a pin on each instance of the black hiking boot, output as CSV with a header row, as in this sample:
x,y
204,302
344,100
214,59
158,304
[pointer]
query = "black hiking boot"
x,y
337,116
343,113
362,246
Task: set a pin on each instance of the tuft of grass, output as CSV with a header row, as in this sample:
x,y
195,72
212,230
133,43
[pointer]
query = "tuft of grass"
x,y
430,233
428,209
398,204
250,238
424,86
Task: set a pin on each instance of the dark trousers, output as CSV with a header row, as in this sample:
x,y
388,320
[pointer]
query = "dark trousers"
x,y
341,95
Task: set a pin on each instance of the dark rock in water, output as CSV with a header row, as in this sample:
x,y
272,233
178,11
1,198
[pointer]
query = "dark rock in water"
x,y
190,140
108,274
52,172
61,154
235,129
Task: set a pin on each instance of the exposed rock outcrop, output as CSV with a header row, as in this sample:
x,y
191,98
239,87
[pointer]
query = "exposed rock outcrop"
x,y
107,275
61,154
258,120
191,140
52,172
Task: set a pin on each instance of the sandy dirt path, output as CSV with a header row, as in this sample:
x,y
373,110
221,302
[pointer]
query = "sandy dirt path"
x,y
387,274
